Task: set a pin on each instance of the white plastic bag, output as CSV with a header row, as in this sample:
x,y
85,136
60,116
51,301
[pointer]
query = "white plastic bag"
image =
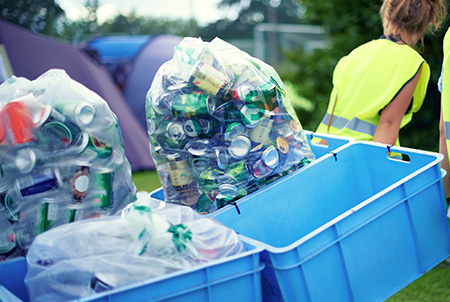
x,y
220,125
61,158
86,257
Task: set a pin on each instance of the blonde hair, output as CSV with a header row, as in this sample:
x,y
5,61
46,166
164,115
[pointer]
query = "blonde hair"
x,y
409,19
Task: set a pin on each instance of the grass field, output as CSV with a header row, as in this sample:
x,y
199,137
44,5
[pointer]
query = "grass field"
x,y
434,286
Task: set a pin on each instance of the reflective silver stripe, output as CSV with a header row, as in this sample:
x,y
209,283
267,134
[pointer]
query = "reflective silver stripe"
x,y
354,124
447,130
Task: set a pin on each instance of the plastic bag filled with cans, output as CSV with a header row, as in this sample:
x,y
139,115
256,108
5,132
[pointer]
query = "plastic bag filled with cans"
x,y
220,125
146,241
61,158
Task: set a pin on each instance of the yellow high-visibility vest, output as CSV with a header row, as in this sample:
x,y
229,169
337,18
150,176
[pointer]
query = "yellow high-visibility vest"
x,y
446,89
366,81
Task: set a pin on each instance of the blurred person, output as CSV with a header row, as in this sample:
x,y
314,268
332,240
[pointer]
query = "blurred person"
x,y
380,84
444,123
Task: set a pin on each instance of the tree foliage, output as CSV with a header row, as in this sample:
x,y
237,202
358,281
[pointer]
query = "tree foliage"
x,y
37,15
250,14
348,24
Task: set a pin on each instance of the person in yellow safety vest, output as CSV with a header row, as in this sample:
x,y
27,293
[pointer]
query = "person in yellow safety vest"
x,y
444,124
380,84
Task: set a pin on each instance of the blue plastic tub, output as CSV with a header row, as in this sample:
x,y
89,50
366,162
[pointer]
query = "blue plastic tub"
x,y
333,142
353,226
235,278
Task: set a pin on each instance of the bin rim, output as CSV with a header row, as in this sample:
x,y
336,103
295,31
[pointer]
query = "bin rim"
x,y
315,232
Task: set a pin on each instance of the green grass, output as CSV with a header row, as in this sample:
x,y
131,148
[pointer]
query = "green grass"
x,y
146,180
434,286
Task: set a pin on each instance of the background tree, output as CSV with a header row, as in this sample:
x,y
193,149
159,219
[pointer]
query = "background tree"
x,y
37,15
251,13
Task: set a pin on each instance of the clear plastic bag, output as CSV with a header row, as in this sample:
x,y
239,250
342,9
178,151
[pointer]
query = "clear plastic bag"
x,y
220,125
61,158
86,257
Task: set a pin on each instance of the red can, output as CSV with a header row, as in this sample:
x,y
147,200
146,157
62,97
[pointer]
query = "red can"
x,y
16,123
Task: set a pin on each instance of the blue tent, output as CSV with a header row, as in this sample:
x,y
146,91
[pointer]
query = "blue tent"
x,y
31,55
116,53
145,65
133,61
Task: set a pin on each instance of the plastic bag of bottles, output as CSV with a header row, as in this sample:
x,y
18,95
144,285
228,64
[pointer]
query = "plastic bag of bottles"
x,y
220,125
145,242
61,158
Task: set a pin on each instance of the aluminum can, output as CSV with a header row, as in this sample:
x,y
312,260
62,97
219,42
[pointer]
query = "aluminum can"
x,y
179,171
227,193
197,127
103,189
221,157
204,204
12,204
233,130
49,212
270,157
25,160
82,113
99,147
282,144
36,183
210,80
199,156
79,183
175,131
17,123
255,90
238,172
193,104
239,147
181,178
250,114
8,243
227,112
260,134
162,104
58,131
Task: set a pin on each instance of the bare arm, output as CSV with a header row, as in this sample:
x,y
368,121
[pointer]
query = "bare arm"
x,y
443,149
391,117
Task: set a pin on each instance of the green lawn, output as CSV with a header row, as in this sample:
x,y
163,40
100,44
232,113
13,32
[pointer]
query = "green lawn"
x,y
434,286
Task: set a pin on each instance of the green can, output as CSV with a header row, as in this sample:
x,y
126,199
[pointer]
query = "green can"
x,y
7,238
251,114
48,216
193,104
99,148
103,185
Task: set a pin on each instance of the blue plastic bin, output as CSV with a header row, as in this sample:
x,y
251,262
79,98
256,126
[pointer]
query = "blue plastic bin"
x,y
354,226
235,278
333,142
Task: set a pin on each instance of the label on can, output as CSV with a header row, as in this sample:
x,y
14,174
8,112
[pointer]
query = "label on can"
x,y
17,120
282,144
79,184
179,171
193,104
260,134
103,187
209,79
